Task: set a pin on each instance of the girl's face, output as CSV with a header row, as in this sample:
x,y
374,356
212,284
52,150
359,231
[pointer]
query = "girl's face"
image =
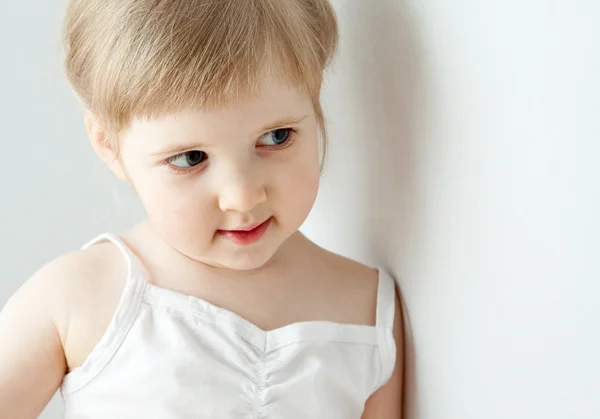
x,y
205,175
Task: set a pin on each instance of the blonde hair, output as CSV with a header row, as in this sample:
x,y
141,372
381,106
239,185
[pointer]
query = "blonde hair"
x,y
145,58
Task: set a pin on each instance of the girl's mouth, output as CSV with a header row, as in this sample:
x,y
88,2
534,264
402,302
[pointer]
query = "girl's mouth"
x,y
246,237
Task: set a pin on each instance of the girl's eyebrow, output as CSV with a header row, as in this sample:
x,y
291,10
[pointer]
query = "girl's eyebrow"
x,y
182,148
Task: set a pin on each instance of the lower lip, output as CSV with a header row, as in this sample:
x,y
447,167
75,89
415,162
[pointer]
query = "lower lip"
x,y
246,238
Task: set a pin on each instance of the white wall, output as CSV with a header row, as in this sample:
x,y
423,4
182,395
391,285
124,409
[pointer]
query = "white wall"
x,y
462,140
466,141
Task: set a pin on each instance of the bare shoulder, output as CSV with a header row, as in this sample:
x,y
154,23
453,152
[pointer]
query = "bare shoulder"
x,y
84,289
49,325
353,285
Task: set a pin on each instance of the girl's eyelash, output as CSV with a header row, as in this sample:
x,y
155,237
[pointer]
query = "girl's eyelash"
x,y
184,170
181,170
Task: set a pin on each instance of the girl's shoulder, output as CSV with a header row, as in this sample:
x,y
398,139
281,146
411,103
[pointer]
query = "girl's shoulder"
x,y
42,326
83,289
353,286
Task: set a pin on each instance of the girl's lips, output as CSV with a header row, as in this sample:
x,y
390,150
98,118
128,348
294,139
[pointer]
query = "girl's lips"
x,y
245,238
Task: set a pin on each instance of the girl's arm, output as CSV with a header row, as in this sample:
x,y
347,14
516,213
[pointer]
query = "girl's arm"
x,y
386,403
32,361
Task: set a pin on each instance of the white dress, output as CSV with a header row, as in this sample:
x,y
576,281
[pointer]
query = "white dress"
x,y
171,356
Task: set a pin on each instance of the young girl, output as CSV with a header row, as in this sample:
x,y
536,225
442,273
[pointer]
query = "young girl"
x,y
216,306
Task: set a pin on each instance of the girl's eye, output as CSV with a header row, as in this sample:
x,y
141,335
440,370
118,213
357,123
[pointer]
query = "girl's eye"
x,y
276,137
188,159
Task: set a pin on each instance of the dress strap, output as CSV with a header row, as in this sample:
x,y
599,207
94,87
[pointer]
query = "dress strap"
x,y
121,322
386,307
386,300
134,265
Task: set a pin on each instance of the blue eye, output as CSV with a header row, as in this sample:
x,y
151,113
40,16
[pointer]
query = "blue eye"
x,y
188,159
276,137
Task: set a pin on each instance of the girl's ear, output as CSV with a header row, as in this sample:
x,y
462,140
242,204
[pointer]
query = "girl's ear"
x,y
102,145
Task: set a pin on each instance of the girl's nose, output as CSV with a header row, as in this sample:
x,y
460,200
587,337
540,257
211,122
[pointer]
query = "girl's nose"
x,y
241,194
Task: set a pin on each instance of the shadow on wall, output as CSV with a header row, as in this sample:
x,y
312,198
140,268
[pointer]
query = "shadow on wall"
x,y
385,72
